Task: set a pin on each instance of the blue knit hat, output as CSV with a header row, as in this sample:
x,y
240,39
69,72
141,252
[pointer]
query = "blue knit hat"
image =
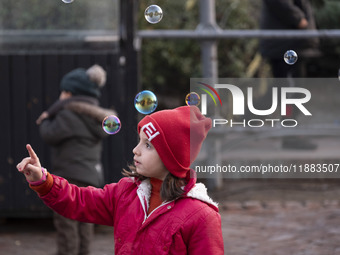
x,y
84,82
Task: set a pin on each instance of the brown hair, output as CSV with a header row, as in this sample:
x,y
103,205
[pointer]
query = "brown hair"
x,y
171,188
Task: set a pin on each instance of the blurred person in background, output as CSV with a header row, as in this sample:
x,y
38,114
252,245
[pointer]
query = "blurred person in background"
x,y
288,15
72,127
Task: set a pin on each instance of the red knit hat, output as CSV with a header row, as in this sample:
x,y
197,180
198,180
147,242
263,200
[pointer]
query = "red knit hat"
x,y
177,135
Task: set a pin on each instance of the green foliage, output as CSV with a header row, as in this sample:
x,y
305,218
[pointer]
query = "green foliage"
x,y
168,65
327,17
318,3
54,14
234,55
177,14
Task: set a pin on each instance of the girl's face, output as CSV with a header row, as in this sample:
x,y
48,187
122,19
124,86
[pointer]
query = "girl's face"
x,y
146,159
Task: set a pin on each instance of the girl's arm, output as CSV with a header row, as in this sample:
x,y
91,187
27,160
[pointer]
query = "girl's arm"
x,y
87,204
82,204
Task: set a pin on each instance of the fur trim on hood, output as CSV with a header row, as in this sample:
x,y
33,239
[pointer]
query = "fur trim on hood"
x,y
199,191
90,110
81,105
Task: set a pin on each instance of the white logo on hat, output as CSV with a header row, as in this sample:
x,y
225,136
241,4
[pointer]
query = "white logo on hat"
x,y
151,132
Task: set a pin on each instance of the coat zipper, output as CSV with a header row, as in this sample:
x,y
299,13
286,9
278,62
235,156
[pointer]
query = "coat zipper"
x,y
147,216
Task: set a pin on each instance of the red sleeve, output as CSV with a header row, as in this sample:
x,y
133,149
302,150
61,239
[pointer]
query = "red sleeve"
x,y
44,188
87,204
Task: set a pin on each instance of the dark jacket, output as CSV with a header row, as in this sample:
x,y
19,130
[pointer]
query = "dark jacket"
x,y
286,14
75,134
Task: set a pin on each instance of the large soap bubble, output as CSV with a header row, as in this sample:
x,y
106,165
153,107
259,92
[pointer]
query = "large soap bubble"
x,y
146,102
290,57
193,99
153,14
111,125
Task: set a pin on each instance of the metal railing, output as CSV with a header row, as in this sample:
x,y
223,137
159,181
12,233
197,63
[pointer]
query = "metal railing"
x,y
217,34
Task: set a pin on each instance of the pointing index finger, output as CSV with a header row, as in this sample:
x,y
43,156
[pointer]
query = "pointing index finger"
x,y
31,152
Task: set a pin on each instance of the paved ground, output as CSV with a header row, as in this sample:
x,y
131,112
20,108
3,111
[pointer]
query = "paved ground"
x,y
274,227
293,229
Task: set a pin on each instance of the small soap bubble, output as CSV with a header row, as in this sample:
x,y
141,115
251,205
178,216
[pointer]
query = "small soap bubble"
x,y
111,125
67,1
192,99
290,57
153,14
146,102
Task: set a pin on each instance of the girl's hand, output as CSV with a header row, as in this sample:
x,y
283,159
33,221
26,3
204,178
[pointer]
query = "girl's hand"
x,y
30,166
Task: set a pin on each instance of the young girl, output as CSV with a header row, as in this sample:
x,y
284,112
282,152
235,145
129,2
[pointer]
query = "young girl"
x,y
159,208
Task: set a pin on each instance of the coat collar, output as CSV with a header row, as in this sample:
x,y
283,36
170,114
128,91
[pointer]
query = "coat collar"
x,y
192,190
60,104
199,191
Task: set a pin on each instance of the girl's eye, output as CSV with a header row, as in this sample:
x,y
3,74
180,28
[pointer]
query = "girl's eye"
x,y
148,145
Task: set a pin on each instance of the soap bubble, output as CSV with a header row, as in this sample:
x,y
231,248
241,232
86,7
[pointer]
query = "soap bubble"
x,y
146,102
193,99
290,57
111,125
153,14
67,1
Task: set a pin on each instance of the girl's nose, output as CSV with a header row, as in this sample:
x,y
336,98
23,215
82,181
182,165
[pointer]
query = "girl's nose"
x,y
135,150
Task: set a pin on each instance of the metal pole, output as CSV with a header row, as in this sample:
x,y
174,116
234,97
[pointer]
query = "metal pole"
x,y
128,62
208,47
210,70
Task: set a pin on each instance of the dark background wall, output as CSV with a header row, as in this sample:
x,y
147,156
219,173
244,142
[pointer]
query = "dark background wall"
x,y
30,84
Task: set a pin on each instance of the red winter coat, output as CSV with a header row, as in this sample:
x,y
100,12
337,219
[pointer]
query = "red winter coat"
x,y
184,226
